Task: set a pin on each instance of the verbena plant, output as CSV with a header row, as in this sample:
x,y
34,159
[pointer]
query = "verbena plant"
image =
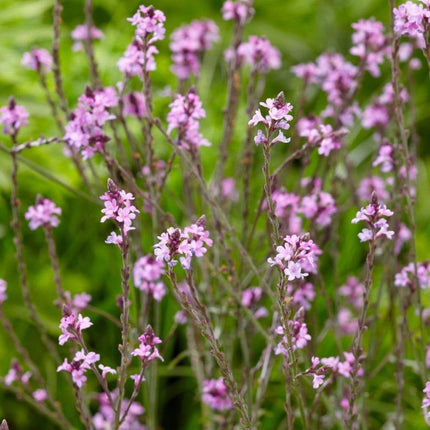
x,y
275,325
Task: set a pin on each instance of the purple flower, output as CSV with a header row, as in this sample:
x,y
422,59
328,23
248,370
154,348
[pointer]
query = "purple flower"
x,y
38,60
13,117
299,337
149,23
302,294
318,205
72,325
147,351
259,54
40,395
185,113
43,213
411,19
385,158
215,394
240,11
119,208
188,44
373,215
370,44
406,277
84,131
370,185
81,33
105,370
105,417
147,272
297,257
79,365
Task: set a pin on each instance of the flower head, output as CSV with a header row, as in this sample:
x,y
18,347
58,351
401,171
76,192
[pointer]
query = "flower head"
x,y
38,60
13,117
215,394
44,213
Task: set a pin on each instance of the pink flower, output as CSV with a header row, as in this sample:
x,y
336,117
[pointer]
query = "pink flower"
x,y
239,11
79,365
188,44
259,54
299,337
147,272
105,370
183,244
119,208
43,213
215,394
72,326
297,257
13,117
406,277
38,60
147,351
40,395
81,33
373,215
185,113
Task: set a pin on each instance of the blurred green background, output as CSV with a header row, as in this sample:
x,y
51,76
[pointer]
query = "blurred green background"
x,y
300,29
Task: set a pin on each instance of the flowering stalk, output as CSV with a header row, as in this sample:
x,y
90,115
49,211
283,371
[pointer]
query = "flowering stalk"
x,y
373,215
88,44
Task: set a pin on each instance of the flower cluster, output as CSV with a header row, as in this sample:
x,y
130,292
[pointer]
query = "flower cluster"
x,y
413,20
105,417
139,55
185,113
278,118
147,350
378,114
406,277
298,332
43,214
373,215
287,208
192,241
259,53
188,44
215,394
385,158
370,185
81,362
3,288
302,294
82,33
337,78
13,117
84,131
240,11
319,205
320,135
38,60
147,272
251,298
333,364
370,44
119,208
71,326
297,257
